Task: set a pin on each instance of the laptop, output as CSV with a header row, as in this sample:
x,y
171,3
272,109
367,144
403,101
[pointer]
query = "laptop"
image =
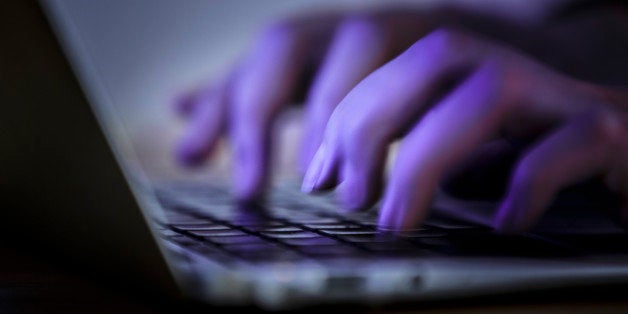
x,y
69,189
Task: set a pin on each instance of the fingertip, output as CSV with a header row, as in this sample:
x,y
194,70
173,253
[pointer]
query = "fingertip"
x,y
510,217
387,230
249,187
321,173
250,171
402,211
312,173
356,194
188,154
351,196
388,216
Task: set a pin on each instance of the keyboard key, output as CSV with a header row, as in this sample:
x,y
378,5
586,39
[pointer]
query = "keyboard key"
x,y
238,239
260,225
352,231
218,233
281,229
314,220
310,241
368,238
291,235
330,226
201,226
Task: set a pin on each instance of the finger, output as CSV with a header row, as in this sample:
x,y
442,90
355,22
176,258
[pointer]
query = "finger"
x,y
508,94
449,132
322,163
592,143
265,83
386,103
207,114
359,47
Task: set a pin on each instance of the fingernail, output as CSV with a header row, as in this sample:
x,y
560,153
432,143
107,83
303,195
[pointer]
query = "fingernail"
x,y
311,177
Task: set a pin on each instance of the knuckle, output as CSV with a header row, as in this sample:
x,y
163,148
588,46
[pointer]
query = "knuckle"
x,y
245,107
498,72
445,36
606,127
443,46
360,26
324,100
497,65
492,75
355,130
360,134
441,40
280,30
274,41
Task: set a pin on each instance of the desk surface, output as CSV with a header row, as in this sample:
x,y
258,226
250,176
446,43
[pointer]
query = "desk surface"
x,y
33,285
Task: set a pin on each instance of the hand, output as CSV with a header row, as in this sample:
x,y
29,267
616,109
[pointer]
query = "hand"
x,y
244,105
580,129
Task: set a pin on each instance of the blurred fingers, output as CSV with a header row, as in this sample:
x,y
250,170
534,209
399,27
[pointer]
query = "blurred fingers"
x,y
592,143
206,112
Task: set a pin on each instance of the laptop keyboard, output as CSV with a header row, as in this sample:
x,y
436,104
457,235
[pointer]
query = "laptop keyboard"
x,y
295,227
